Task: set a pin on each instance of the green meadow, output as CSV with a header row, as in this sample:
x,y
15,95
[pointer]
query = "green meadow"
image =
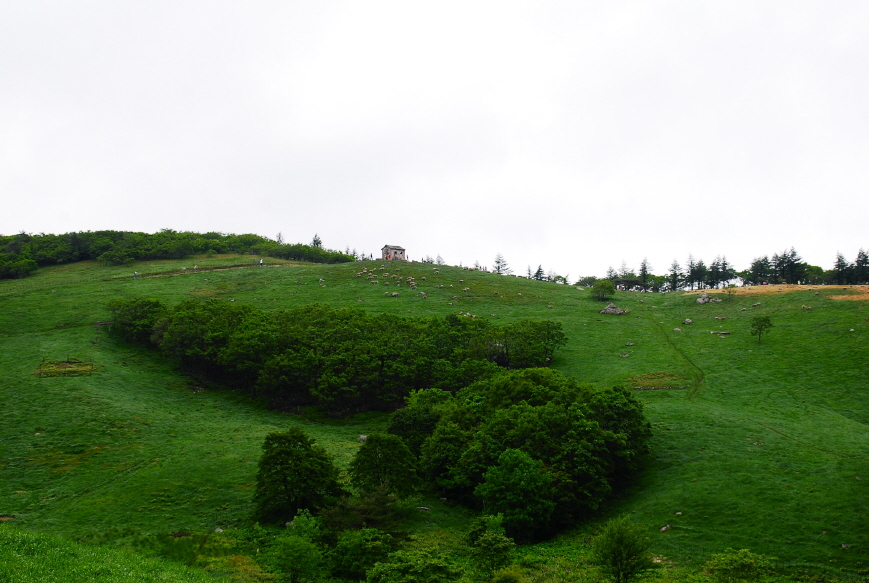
x,y
760,446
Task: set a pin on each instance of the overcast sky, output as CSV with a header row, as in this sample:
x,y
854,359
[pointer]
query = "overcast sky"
x,y
575,135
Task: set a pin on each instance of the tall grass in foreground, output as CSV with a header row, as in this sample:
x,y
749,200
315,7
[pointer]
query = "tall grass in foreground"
x,y
27,557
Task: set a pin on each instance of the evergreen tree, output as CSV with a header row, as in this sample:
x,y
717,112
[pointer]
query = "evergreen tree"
x,y
674,277
842,268
861,267
691,271
501,266
645,271
317,242
539,275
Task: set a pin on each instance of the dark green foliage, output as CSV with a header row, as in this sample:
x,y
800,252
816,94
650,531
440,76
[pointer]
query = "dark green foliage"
x,y
733,566
603,289
346,359
21,254
384,461
134,319
296,558
358,550
759,326
416,421
517,487
575,443
414,567
621,550
374,509
293,474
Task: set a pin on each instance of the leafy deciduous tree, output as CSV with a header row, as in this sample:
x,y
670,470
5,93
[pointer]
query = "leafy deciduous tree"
x,y
518,488
621,550
759,325
293,474
384,461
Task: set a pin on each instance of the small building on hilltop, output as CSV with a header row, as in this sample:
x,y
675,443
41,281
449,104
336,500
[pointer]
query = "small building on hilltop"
x,y
393,252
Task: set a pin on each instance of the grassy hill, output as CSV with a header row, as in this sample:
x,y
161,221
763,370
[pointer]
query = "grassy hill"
x,y
760,446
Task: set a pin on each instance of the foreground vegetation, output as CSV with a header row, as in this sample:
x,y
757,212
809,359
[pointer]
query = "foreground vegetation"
x,y
754,446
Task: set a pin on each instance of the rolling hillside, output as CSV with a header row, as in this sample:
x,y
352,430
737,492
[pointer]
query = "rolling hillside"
x,y
761,446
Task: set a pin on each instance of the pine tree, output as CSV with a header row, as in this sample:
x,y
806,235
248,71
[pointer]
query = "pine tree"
x,y
645,271
675,276
539,275
501,266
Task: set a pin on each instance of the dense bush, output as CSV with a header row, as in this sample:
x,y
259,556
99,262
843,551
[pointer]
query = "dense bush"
x,y
621,550
343,359
532,444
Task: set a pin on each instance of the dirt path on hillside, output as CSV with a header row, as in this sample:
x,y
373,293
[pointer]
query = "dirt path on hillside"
x,y
857,292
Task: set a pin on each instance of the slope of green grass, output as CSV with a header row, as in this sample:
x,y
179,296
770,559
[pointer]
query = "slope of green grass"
x,y
40,558
765,446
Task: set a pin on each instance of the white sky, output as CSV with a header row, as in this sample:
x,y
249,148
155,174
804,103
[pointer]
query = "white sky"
x,y
576,134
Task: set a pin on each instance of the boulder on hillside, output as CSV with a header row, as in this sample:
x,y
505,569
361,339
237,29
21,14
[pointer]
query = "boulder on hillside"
x,y
612,309
703,298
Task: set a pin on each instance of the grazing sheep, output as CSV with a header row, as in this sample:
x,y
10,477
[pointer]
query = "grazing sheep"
x,y
386,293
677,329
466,289
461,281
451,285
423,278
455,297
496,293
395,294
362,438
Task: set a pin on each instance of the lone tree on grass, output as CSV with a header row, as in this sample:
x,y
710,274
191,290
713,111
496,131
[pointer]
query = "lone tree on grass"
x,y
621,550
501,266
603,289
294,474
759,325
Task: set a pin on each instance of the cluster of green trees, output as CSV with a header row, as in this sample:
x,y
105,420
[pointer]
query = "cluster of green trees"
x,y
22,253
785,267
534,445
344,359
533,449
357,525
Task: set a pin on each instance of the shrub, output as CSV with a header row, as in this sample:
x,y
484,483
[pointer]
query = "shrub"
x,y
489,544
621,550
742,565
298,559
414,567
358,550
